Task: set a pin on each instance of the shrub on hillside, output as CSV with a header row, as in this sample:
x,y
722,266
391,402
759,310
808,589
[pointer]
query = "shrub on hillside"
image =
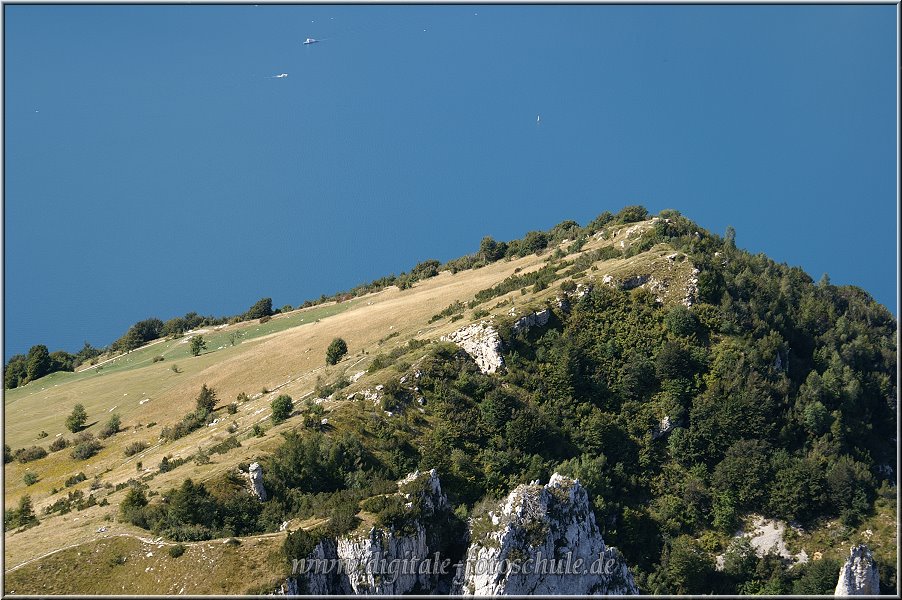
x,y
631,214
30,478
135,448
225,445
75,479
58,444
206,399
23,516
281,408
337,349
177,550
77,420
681,321
24,455
197,344
262,308
111,427
86,447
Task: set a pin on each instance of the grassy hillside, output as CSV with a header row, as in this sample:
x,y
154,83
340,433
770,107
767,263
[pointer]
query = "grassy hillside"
x,y
583,395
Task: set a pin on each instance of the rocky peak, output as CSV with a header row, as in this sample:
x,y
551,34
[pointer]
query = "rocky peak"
x,y
366,560
543,540
428,490
858,576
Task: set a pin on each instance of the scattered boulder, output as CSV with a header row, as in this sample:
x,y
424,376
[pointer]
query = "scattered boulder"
x,y
691,289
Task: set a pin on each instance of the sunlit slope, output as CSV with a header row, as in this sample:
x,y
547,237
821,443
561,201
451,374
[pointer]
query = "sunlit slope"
x,y
283,356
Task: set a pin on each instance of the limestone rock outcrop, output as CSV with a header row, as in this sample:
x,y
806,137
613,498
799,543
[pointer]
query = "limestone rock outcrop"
x,y
482,342
859,575
366,560
534,319
691,296
552,523
255,476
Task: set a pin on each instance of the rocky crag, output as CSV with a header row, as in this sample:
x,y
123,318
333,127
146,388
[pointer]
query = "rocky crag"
x,y
482,342
859,575
550,527
543,540
383,561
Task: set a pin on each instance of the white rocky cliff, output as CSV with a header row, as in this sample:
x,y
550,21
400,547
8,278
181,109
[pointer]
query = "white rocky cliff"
x,y
366,560
553,526
552,523
482,342
859,575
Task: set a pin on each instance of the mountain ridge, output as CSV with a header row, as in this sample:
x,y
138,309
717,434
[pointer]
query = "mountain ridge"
x,y
655,332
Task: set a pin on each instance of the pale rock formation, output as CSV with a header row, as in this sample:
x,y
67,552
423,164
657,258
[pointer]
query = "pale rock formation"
x,y
691,289
535,319
360,554
658,288
768,535
482,342
365,560
255,476
554,523
859,576
665,426
551,523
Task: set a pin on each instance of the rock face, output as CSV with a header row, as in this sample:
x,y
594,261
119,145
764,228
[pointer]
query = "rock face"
x,y
255,475
535,319
366,561
859,575
552,523
482,342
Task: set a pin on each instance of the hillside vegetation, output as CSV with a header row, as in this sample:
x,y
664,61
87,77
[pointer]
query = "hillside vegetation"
x,y
687,384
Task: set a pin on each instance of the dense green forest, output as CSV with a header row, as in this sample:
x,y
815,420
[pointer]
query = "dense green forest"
x,y
780,393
